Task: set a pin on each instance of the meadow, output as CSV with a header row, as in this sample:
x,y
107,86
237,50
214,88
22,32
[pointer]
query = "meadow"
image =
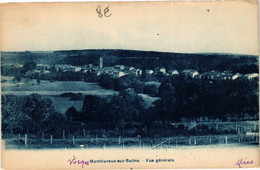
x,y
53,90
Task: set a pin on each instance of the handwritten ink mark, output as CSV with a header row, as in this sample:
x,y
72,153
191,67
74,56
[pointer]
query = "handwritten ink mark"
x,y
98,9
75,161
241,162
106,11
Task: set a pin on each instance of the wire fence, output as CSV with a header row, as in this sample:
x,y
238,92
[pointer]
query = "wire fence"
x,y
245,133
31,141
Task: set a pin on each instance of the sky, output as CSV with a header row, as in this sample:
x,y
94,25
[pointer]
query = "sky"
x,y
187,27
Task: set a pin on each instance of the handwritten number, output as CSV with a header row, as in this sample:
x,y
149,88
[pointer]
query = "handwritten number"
x,y
106,11
98,9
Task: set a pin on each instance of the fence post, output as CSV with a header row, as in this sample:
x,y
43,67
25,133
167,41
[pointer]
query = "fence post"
x,y
169,141
25,139
119,139
176,142
189,140
161,144
42,136
254,126
63,135
73,140
216,126
210,140
84,132
139,141
96,139
194,141
195,125
51,139
19,136
104,133
226,140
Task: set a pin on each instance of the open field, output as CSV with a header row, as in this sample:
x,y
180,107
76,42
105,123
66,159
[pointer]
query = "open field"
x,y
148,99
54,89
29,86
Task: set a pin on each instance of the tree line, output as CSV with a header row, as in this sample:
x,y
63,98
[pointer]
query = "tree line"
x,y
219,99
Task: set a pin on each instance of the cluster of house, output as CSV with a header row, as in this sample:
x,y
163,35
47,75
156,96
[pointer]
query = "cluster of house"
x,y
46,69
115,71
215,75
121,70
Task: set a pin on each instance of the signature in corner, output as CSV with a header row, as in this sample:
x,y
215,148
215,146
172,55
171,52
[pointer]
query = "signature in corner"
x,y
241,162
76,161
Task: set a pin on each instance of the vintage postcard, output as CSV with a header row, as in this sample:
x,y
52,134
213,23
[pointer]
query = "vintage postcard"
x,y
129,85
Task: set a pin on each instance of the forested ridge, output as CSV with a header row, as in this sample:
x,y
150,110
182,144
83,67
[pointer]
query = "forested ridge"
x,y
140,59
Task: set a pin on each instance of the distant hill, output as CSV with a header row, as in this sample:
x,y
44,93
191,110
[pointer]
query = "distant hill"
x,y
141,59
